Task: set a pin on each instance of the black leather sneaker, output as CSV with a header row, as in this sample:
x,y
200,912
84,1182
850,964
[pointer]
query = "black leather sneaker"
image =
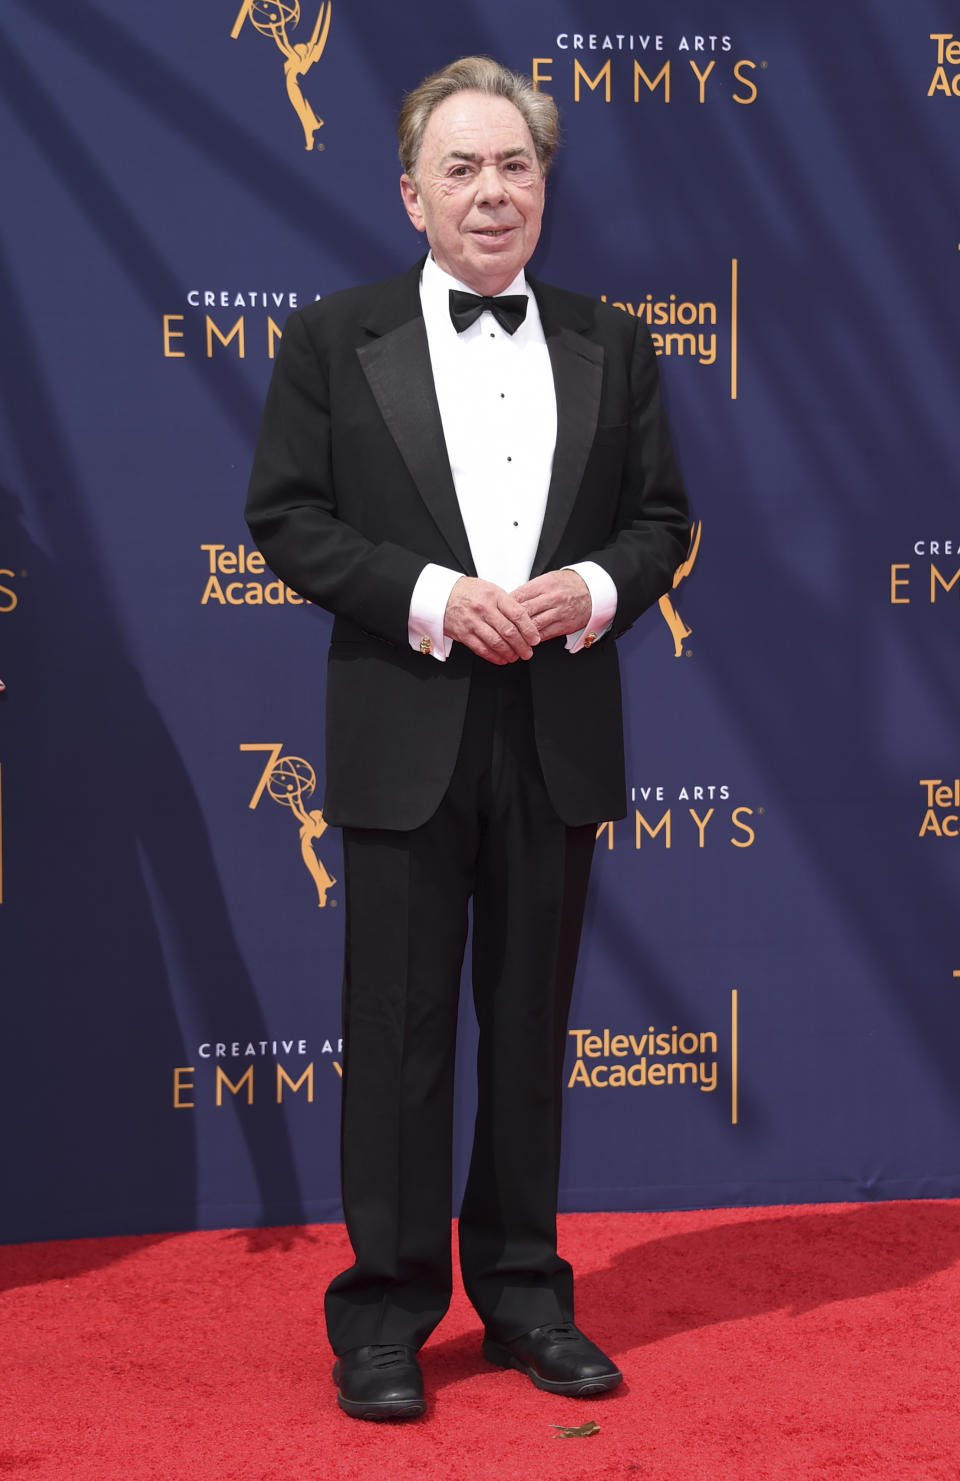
x,y
559,1359
382,1381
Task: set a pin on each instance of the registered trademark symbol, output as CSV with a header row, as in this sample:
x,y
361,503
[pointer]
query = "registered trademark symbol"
x,y
689,653
762,65
761,810
23,573
319,145
333,904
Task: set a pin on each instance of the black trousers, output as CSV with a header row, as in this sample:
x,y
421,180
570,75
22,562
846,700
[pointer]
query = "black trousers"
x,y
495,839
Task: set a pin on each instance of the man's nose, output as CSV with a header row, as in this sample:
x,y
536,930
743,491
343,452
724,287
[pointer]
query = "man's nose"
x,y
490,186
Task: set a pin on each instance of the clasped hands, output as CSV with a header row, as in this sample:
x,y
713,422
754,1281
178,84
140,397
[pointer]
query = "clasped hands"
x,y
503,626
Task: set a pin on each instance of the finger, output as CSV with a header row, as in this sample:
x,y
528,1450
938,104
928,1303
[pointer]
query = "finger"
x,y
559,622
536,603
546,615
512,624
484,651
491,637
553,629
479,644
529,593
520,620
505,638
498,650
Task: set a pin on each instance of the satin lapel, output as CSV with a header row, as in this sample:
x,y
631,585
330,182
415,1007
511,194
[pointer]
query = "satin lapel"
x,y
578,377
398,371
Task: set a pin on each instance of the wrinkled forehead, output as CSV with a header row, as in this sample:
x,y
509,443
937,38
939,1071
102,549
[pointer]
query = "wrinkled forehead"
x,y
473,126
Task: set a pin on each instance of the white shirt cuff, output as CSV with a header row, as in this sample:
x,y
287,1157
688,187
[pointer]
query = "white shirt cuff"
x,y
427,607
603,595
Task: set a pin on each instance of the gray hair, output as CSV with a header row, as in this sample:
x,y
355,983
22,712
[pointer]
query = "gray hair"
x,y
477,75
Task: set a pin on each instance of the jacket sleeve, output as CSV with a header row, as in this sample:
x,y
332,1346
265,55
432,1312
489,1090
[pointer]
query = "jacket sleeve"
x,y
292,504
652,527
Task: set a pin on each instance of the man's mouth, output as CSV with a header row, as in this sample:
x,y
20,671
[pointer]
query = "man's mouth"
x,y
493,232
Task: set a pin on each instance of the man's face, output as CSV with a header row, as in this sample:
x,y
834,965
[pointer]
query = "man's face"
x,y
479,190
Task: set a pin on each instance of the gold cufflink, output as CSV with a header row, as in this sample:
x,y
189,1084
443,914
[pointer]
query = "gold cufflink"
x,y
426,645
589,638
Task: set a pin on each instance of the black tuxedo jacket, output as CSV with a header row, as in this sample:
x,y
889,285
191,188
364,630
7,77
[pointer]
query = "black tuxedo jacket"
x,y
351,495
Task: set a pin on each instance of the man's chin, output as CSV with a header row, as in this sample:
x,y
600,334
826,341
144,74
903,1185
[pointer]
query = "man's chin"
x,y
489,265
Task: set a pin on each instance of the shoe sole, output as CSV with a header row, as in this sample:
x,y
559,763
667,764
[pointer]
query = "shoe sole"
x,y
572,1388
389,1409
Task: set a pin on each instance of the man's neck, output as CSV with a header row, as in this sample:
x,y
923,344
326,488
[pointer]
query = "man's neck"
x,y
517,284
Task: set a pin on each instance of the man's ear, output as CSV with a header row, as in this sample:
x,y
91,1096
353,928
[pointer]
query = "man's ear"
x,y
411,199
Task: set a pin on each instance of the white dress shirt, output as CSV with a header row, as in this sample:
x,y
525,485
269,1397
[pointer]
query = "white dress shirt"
x,y
498,408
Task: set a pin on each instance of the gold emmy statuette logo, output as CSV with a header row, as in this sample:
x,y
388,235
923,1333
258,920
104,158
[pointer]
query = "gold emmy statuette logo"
x,y
272,18
288,780
670,614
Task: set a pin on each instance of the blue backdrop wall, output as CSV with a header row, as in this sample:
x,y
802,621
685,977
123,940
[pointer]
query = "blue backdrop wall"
x,y
768,1002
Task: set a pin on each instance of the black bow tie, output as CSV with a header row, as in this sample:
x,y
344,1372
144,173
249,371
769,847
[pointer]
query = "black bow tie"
x,y
509,311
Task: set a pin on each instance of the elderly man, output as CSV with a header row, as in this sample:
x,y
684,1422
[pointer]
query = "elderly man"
x,y
471,470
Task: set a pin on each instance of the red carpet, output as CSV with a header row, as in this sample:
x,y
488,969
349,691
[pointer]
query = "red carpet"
x,y
757,1344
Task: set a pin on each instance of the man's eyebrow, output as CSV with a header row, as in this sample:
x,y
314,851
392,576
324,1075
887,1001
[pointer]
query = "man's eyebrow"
x,y
470,156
